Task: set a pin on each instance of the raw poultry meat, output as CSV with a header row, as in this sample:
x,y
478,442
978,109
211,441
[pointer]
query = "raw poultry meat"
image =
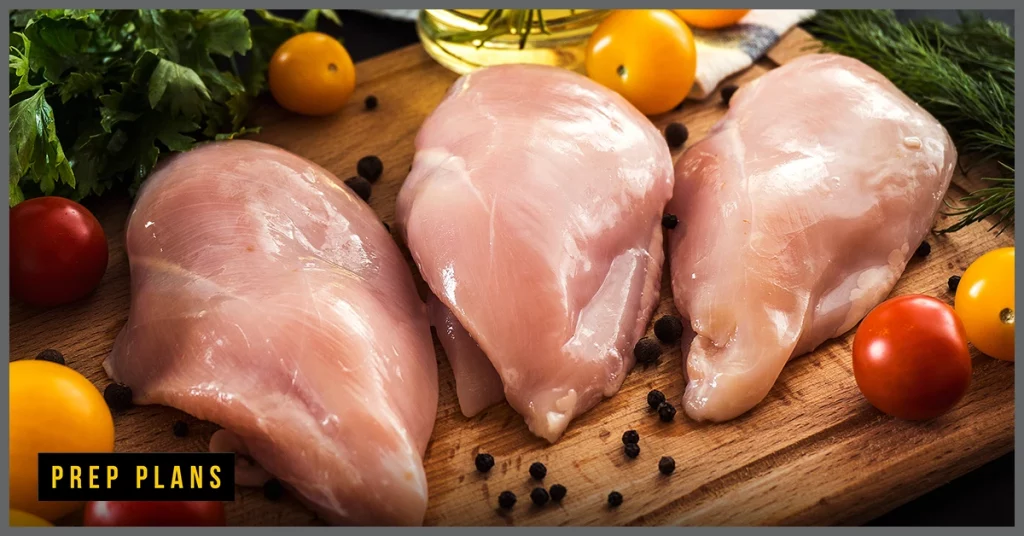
x,y
798,214
477,384
269,299
533,211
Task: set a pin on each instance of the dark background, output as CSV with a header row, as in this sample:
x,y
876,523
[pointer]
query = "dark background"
x,y
983,497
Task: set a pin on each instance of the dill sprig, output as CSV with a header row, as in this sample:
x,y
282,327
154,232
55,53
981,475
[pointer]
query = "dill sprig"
x,y
962,74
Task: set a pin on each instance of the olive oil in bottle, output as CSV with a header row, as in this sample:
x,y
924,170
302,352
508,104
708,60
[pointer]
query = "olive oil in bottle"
x,y
466,39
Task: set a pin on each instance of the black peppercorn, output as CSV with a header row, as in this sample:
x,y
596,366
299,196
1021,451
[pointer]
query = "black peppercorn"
x,y
538,471
646,350
52,356
180,428
630,436
614,499
360,186
118,396
666,465
676,135
539,496
923,250
484,462
669,221
655,398
507,500
369,168
666,411
631,450
273,490
727,93
558,492
370,102
954,282
668,329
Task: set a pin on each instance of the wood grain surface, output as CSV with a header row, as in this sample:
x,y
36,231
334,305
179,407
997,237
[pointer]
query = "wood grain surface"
x,y
813,452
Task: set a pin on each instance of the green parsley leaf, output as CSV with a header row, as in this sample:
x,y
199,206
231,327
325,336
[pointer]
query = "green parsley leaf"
x,y
240,132
88,158
173,134
178,86
117,89
35,149
19,66
58,45
164,29
224,31
78,83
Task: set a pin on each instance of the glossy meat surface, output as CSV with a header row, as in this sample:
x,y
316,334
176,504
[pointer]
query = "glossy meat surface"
x,y
798,213
477,384
533,211
268,299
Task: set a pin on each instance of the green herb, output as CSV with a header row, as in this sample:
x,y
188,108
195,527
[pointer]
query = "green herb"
x,y
962,74
99,95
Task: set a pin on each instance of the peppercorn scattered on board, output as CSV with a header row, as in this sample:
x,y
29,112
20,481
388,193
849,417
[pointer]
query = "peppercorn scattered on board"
x,y
813,452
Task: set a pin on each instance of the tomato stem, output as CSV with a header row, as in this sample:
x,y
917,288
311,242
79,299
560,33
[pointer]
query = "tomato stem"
x,y
1006,316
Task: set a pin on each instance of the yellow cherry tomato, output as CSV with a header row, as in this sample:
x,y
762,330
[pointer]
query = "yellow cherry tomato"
x,y
52,409
984,302
25,519
711,19
311,74
646,55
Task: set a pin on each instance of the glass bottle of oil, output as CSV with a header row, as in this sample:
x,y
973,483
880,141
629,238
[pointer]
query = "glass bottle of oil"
x,y
467,39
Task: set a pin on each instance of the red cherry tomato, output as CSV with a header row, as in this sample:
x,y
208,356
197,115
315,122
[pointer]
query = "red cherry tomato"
x,y
910,357
155,514
58,251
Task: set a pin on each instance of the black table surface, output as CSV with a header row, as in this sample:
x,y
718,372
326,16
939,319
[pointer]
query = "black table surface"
x,y
983,497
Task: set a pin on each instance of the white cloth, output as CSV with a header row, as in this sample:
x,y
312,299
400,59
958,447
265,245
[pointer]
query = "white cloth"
x,y
727,51
720,53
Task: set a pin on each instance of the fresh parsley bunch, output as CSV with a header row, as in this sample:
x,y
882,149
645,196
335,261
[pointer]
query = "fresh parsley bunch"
x,y
98,95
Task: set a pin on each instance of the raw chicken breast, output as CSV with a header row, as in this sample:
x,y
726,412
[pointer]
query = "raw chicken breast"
x,y
269,299
533,210
477,384
798,214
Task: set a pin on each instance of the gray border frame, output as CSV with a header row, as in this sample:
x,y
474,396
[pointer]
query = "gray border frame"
x,y
405,4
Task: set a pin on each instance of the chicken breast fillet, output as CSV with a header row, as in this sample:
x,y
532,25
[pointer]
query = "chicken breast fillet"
x,y
533,211
477,384
798,214
269,299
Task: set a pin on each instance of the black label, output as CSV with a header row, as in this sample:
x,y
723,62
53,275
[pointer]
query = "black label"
x,y
136,476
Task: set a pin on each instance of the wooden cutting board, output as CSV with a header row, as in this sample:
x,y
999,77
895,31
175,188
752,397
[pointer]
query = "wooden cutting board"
x,y
813,452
